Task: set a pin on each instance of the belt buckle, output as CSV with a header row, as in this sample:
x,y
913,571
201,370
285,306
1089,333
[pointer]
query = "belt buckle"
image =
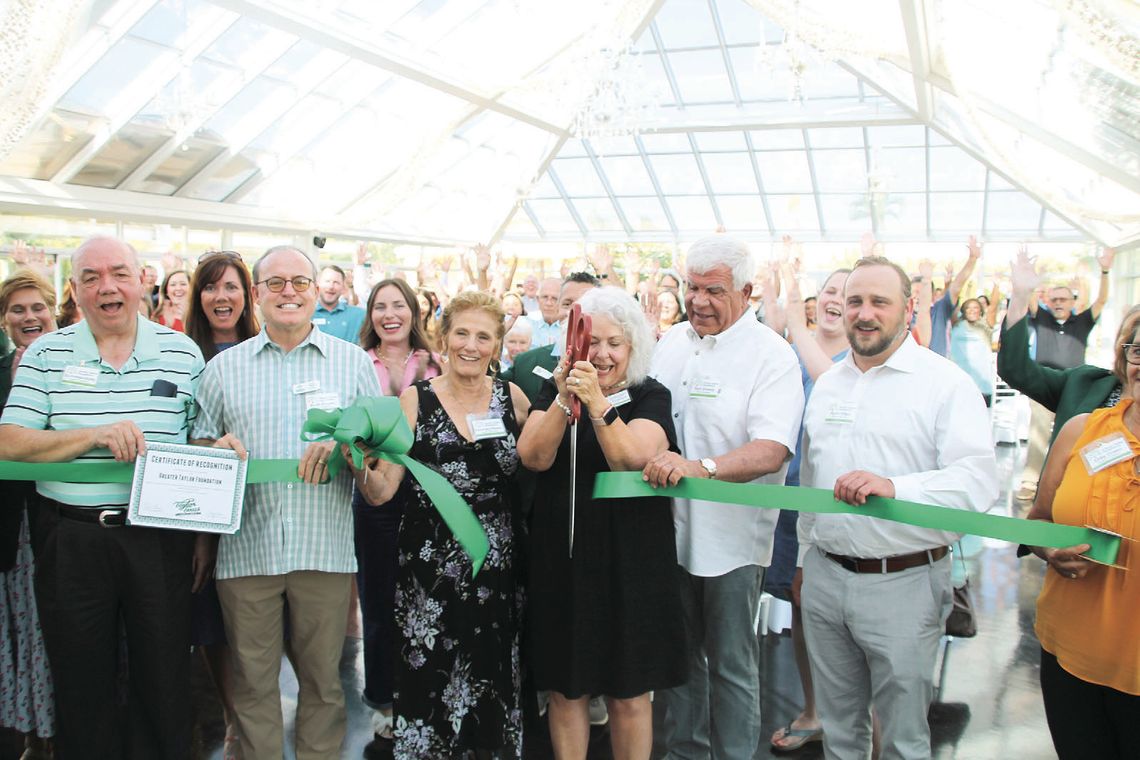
x,y
107,513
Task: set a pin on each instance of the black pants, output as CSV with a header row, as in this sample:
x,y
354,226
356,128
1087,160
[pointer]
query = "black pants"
x,y
1088,720
88,578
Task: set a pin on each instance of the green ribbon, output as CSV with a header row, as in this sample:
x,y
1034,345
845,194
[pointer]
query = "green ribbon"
x,y
1103,546
257,471
379,424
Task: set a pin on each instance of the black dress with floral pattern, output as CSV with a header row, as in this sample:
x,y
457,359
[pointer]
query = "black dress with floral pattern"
x,y
457,678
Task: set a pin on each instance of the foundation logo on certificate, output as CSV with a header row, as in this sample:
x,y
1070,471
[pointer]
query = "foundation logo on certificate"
x,y
187,488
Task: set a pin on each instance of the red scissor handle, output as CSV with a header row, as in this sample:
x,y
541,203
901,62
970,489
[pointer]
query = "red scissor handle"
x,y
577,350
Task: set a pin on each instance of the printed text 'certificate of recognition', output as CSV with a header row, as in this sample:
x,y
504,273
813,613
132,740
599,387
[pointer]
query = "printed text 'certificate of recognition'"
x,y
188,488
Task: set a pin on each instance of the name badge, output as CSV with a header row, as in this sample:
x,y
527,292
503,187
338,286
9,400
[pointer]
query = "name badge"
x,y
330,402
486,427
319,321
542,372
705,389
619,399
307,387
841,414
80,375
1105,452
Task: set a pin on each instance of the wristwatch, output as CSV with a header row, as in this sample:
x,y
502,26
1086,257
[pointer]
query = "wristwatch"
x,y
710,467
608,417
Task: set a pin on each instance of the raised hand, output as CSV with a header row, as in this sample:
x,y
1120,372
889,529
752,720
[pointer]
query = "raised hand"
x,y
21,254
974,247
1105,259
926,270
1023,276
482,257
361,253
601,258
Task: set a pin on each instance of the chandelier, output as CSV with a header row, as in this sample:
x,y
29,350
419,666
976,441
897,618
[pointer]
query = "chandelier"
x,y
618,98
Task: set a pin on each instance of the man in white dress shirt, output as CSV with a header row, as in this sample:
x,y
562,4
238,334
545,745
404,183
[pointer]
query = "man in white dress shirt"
x,y
737,401
891,419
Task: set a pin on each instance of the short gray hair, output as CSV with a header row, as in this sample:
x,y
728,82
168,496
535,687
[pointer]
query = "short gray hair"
x,y
522,325
713,251
279,249
617,305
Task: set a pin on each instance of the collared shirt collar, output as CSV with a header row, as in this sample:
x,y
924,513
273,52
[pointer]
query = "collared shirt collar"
x,y
146,344
315,338
735,328
903,359
341,305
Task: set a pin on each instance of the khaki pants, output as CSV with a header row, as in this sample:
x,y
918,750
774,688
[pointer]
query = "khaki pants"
x,y
318,609
1040,429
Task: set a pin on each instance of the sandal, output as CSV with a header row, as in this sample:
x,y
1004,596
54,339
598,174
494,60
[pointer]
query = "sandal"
x,y
801,736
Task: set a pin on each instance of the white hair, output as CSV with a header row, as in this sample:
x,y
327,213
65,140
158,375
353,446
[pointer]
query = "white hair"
x,y
713,251
521,325
622,308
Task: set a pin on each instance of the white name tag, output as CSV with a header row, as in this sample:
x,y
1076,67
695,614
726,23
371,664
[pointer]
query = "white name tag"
x,y
79,375
619,399
484,427
841,414
318,321
705,389
328,401
542,372
307,387
1105,452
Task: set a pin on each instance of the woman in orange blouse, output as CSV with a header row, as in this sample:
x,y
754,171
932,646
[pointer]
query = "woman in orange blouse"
x,y
1088,614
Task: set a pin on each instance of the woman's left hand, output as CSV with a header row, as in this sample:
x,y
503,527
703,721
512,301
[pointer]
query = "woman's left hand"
x,y
1068,561
583,383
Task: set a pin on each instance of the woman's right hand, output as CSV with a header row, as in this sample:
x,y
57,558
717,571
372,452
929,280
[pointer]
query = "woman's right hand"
x,y
561,373
1068,562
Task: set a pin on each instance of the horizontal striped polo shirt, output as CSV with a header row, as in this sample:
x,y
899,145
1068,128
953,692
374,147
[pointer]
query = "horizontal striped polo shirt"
x,y
63,384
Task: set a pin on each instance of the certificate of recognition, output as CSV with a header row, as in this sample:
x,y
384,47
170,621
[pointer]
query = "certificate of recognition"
x,y
188,488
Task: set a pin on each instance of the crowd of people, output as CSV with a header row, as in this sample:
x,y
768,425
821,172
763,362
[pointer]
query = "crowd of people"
x,y
583,604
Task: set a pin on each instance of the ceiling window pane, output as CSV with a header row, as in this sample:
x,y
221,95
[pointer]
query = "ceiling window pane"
x,y
903,214
701,76
180,166
730,172
899,170
545,188
669,142
840,171
112,75
953,169
578,177
845,213
785,171
740,23
613,146
777,139
44,152
900,136
694,214
836,137
225,179
553,216
958,212
644,214
742,213
685,23
598,215
1013,211
793,213
627,175
720,141
678,175
120,156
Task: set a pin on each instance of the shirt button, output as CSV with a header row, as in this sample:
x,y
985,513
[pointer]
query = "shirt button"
x,y
698,353
676,414
289,486
684,382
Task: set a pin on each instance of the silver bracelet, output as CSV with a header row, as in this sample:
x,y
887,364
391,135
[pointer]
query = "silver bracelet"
x,y
563,407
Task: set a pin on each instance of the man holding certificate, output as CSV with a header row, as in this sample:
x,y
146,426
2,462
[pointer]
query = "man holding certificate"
x,y
296,539
87,392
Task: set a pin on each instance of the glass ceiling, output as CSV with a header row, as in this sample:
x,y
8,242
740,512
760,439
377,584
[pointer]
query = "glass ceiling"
x,y
444,121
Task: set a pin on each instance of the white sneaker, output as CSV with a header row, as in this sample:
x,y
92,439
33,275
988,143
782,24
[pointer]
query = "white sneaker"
x,y
599,715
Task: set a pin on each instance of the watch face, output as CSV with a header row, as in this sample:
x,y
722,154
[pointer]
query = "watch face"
x,y
611,415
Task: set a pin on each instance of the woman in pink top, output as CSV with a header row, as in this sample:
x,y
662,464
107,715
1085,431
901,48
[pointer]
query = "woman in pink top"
x,y
394,337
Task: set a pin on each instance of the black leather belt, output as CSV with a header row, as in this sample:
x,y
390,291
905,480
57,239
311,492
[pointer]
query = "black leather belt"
x,y
888,564
105,518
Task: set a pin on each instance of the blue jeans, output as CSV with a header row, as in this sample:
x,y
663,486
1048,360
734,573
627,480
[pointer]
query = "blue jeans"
x,y
716,714
377,531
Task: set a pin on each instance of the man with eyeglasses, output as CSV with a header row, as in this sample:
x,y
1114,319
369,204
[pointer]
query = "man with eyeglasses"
x,y
334,315
1062,338
547,326
88,392
296,539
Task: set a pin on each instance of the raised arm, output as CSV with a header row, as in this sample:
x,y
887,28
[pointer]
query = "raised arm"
x,y
923,298
1105,260
812,356
1024,281
963,276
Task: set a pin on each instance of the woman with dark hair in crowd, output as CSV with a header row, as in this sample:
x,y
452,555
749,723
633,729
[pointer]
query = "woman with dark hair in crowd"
x,y
219,315
429,319
69,312
26,699
172,302
393,336
670,311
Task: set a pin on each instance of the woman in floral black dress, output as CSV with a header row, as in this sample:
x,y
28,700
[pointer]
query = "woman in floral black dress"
x,y
457,672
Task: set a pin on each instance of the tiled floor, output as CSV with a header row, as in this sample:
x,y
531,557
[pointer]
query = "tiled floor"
x,y
988,703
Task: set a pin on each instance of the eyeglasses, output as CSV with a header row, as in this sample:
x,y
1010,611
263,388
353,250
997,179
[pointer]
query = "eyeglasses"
x,y
1131,352
277,284
211,254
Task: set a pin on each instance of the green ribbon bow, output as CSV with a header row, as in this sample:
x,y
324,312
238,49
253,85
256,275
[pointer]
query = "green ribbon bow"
x,y
1103,546
379,424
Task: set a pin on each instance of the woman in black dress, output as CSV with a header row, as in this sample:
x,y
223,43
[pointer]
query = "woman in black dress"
x,y
608,620
457,679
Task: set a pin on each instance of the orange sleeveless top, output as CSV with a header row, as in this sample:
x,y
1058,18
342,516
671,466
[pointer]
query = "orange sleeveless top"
x,y
1092,624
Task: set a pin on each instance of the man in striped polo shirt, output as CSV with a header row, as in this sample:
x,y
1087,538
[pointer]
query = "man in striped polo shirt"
x,y
99,390
296,539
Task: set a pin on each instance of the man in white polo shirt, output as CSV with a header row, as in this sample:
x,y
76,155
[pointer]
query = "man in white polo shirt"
x,y
891,419
737,401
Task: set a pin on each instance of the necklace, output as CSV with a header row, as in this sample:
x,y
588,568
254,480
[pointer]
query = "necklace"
x,y
466,408
388,361
606,388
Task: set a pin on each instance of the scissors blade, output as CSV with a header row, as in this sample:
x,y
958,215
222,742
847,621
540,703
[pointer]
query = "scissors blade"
x,y
573,479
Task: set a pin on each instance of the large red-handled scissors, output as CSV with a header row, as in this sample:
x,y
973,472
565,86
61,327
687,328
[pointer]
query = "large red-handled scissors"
x,y
577,350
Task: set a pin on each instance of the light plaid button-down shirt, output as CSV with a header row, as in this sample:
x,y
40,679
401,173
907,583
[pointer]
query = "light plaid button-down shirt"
x,y
258,393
